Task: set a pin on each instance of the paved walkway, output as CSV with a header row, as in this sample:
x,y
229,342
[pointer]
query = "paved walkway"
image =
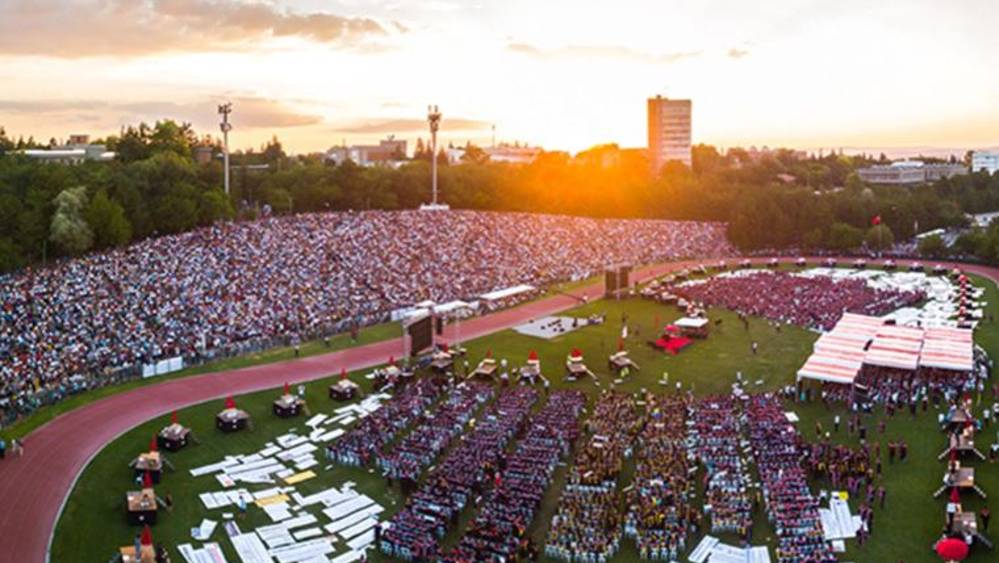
x,y
34,488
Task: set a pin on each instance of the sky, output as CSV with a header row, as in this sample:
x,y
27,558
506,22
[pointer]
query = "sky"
x,y
561,74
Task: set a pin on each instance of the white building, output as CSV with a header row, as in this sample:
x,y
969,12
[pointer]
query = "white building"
x,y
985,160
77,150
669,128
511,154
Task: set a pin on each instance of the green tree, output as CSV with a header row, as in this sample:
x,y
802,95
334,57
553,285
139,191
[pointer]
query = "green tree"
x,y
844,237
10,255
107,220
69,229
932,246
879,237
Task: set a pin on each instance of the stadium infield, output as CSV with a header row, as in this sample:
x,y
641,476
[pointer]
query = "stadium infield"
x,y
60,449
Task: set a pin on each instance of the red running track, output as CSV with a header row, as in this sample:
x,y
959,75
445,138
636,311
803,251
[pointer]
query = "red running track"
x,y
34,488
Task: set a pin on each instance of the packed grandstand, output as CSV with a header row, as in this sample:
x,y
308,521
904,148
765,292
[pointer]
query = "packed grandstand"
x,y
237,286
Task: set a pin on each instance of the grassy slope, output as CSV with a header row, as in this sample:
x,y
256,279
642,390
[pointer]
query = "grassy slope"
x,y
93,523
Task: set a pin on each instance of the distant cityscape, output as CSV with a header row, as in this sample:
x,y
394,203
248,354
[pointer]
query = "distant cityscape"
x,y
669,126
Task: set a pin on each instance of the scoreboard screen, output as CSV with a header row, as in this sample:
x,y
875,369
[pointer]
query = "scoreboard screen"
x,y
421,334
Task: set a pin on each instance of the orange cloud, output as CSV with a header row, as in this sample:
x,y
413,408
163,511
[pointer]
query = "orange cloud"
x,y
124,28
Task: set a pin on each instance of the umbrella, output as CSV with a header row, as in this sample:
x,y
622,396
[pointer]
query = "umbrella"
x,y
952,549
147,537
230,403
152,443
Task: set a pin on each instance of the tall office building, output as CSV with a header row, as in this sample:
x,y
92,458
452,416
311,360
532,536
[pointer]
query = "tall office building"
x,y
669,131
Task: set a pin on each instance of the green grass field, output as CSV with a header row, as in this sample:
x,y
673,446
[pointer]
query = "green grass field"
x,y
93,524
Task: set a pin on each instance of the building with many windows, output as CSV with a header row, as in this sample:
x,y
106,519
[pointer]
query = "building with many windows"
x,y
985,160
77,150
669,131
387,152
909,172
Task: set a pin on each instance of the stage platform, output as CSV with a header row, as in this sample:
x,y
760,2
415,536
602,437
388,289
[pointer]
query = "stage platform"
x,y
550,327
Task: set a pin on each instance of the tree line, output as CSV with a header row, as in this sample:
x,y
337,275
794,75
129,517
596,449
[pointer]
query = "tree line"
x,y
777,200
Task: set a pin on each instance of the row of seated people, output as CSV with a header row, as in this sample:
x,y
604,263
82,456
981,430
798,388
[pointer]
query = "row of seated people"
x,y
792,509
814,302
588,522
499,531
362,443
434,432
714,435
416,531
660,516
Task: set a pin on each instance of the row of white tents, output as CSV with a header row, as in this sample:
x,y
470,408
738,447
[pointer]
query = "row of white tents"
x,y
856,340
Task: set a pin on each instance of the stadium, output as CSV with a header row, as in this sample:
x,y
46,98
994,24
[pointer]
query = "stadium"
x,y
469,386
313,281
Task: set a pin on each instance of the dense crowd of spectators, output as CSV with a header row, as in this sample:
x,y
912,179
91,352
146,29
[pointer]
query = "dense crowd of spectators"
x,y
434,432
791,508
714,437
235,286
373,432
499,531
814,302
660,515
415,532
588,523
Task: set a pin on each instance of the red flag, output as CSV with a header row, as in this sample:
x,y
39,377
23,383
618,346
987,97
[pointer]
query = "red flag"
x,y
230,403
489,353
955,496
343,374
620,345
147,538
391,360
152,443
532,355
287,388
147,480
876,220
444,347
173,417
577,353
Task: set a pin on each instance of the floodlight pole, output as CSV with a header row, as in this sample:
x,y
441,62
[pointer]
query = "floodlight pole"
x,y
224,110
434,119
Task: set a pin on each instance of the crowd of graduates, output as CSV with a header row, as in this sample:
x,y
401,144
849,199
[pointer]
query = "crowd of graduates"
x,y
415,532
660,512
791,508
433,432
588,523
814,302
363,442
499,530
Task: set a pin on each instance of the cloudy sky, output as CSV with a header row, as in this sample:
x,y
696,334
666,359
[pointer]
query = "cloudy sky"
x,y
564,74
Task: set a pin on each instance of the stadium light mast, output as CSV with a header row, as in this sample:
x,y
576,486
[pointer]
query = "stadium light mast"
x,y
224,110
434,120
